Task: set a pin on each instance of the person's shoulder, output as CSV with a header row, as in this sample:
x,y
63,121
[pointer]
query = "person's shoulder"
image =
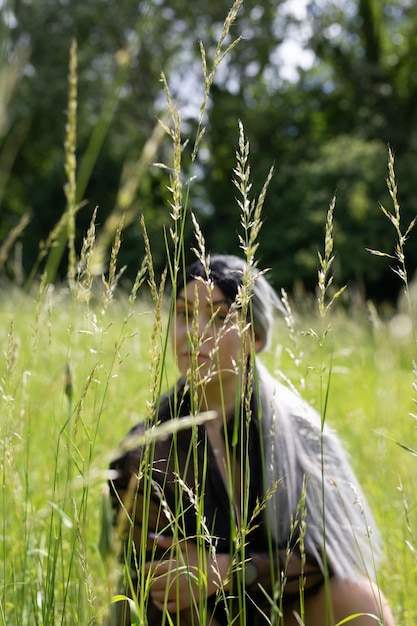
x,y
131,444
285,399
172,403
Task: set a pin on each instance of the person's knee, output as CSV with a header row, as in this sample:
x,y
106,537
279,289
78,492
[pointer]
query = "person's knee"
x,y
363,599
342,599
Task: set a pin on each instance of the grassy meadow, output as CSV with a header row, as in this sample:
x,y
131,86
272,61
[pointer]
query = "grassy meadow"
x,y
82,360
76,375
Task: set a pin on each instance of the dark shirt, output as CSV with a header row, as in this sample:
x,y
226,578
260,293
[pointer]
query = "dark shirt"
x,y
189,498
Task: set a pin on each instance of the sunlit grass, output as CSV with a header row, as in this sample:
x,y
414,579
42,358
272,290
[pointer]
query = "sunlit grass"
x,y
84,362
52,482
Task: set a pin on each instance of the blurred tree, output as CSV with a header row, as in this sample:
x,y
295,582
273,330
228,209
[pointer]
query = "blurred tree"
x,y
327,133
326,129
122,48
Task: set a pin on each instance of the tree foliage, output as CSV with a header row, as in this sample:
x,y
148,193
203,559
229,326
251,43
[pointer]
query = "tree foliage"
x,y
326,130
328,134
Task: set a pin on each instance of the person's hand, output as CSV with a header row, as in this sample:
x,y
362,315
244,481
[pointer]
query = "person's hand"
x,y
178,578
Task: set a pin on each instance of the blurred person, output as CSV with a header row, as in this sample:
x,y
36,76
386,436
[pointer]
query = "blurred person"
x,y
252,515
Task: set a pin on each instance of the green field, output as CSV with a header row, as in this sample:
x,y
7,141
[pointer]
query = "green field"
x,y
76,376
83,359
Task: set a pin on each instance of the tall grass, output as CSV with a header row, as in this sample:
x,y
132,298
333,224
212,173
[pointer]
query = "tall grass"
x,y
109,361
54,458
85,361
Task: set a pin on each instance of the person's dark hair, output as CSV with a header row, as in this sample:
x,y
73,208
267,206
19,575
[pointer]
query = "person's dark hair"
x,y
227,271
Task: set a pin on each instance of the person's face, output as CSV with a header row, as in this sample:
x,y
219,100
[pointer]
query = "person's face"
x,y
205,335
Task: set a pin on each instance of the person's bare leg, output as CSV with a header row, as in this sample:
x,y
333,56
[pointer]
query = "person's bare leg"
x,y
346,599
